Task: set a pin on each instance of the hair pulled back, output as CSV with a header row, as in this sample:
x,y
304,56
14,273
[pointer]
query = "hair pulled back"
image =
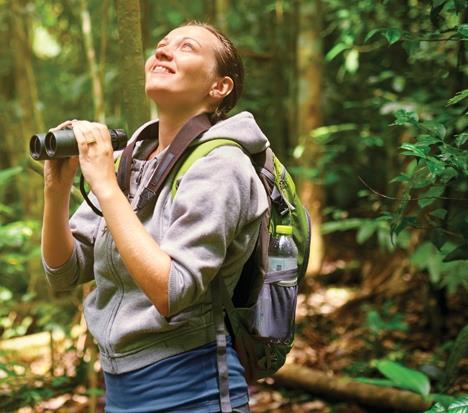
x,y
228,63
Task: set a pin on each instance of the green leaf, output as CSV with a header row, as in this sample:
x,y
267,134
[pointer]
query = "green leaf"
x,y
463,30
7,174
459,406
343,225
413,150
463,94
428,139
436,129
435,166
392,35
437,3
366,231
335,51
427,257
428,197
371,34
411,46
439,213
405,378
459,350
404,117
437,408
443,399
459,253
461,139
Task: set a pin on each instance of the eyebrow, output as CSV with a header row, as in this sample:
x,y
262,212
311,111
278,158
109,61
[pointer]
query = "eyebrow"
x,y
183,38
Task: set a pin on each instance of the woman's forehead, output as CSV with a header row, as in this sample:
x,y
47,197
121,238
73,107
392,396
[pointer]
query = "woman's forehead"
x,y
199,33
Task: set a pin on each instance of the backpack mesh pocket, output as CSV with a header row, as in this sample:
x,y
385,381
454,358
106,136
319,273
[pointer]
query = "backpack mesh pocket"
x,y
273,314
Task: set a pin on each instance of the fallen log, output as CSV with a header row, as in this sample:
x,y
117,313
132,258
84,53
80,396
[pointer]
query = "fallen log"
x,y
345,388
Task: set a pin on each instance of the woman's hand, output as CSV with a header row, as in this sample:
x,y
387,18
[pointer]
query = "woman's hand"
x,y
96,156
59,173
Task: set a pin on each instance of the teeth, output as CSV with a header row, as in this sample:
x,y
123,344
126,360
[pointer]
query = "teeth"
x,y
161,69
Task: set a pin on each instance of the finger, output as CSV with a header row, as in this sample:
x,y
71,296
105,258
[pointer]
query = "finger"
x,y
63,125
80,131
102,134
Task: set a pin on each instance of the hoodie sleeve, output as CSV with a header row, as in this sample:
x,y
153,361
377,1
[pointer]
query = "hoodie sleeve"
x,y
217,198
78,268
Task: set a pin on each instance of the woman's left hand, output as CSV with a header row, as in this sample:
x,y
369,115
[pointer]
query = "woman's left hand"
x,y
96,155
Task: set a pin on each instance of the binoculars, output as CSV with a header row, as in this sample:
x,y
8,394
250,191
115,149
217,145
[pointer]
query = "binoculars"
x,y
62,143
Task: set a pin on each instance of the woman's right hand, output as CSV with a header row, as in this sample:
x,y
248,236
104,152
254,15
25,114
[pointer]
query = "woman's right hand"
x,y
59,173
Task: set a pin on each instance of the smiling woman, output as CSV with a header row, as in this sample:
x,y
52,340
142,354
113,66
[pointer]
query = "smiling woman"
x,y
151,312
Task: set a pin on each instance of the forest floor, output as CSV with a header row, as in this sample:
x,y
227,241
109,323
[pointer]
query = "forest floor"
x,y
354,312
360,310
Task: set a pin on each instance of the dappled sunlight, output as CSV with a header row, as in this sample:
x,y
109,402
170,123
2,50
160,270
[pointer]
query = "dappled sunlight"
x,y
323,301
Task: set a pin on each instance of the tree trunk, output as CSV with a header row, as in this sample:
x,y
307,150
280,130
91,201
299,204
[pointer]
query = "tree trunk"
x,y
29,121
309,59
344,388
98,97
132,74
221,14
103,46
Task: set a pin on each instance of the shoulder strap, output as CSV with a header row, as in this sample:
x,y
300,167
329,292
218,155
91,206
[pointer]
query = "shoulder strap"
x,y
199,152
189,132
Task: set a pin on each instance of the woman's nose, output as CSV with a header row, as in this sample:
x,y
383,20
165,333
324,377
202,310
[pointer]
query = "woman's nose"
x,y
163,52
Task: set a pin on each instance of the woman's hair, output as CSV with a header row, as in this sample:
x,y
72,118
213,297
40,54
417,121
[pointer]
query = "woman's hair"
x,y
229,63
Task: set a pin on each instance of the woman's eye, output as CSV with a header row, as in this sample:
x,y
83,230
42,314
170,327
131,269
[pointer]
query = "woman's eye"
x,y
187,46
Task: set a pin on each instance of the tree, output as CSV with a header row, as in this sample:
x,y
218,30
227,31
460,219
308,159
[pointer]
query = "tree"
x,y
131,63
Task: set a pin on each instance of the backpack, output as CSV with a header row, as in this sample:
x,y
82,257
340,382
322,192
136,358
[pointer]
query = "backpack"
x,y
262,310
260,315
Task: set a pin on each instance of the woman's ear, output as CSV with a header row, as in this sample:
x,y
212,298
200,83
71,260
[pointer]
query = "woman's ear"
x,y
222,87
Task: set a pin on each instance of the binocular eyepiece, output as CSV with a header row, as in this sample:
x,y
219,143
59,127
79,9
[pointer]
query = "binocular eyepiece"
x,y
62,143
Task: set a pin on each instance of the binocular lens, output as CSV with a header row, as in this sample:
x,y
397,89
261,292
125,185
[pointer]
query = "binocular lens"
x,y
62,143
36,146
50,144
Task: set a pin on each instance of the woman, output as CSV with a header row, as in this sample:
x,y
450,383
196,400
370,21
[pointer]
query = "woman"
x,y
151,312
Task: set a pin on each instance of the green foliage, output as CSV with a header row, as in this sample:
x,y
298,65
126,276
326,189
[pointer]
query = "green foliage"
x,y
377,324
459,351
404,378
25,388
460,405
427,191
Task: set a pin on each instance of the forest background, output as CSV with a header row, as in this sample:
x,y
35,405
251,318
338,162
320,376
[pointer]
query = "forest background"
x,y
365,101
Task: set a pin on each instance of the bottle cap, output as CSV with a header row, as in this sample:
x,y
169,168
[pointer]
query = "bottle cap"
x,y
284,229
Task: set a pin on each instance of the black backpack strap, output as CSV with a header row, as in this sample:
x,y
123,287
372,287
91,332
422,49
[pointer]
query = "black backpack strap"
x,y
148,130
189,132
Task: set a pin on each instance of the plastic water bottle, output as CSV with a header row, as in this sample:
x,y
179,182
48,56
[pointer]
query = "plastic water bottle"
x,y
282,252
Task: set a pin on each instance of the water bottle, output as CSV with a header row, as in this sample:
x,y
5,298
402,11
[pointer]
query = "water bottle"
x,y
282,251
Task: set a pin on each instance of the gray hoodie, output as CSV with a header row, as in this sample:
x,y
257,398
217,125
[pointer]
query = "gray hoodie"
x,y
209,227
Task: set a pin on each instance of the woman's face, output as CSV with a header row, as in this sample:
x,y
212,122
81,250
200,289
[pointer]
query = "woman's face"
x,y
182,70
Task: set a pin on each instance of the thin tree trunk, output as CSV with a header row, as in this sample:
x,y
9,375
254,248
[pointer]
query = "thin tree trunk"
x,y
221,14
309,59
344,388
209,8
86,28
132,74
29,185
103,46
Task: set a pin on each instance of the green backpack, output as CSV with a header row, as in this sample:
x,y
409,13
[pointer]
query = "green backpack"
x,y
261,312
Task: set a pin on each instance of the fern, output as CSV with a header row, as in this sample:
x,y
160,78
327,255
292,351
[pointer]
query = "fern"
x,y
460,349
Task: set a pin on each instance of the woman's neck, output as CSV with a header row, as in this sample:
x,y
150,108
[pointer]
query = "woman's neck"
x,y
171,123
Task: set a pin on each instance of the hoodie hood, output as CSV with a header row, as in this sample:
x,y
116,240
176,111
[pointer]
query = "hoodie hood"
x,y
242,129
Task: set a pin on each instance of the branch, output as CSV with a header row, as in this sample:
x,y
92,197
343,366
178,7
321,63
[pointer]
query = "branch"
x,y
406,199
345,388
